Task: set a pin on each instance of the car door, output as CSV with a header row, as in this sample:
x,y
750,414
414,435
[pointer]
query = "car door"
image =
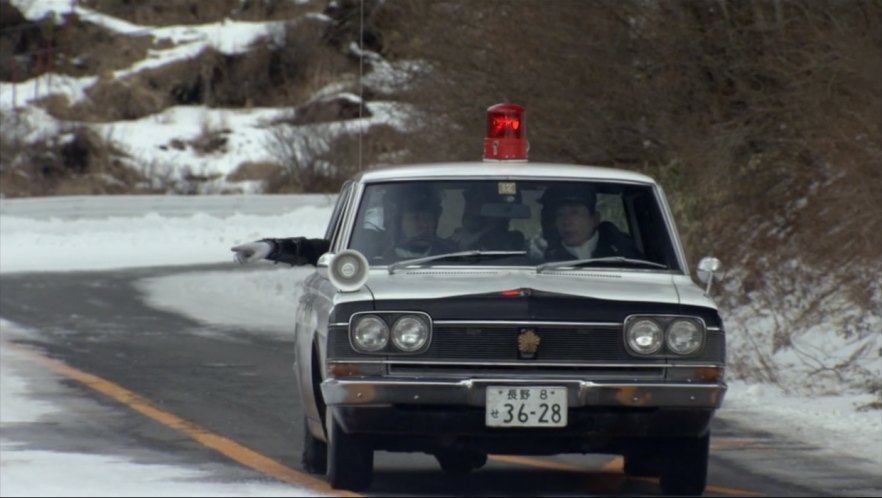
x,y
311,320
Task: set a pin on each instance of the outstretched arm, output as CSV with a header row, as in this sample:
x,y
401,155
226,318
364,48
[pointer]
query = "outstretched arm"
x,y
295,251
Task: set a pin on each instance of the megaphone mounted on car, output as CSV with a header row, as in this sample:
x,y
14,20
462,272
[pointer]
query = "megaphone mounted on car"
x,y
348,270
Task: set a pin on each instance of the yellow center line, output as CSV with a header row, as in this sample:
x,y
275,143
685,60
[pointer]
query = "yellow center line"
x,y
222,445
732,491
725,444
616,464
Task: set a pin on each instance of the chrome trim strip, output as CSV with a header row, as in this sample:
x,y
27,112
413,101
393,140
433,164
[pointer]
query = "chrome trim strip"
x,y
524,364
515,323
357,362
349,221
528,174
506,323
518,323
508,364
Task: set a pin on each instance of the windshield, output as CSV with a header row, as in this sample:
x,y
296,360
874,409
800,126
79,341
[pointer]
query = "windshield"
x,y
539,222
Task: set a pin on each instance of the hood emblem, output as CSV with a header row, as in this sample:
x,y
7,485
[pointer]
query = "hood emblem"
x,y
528,343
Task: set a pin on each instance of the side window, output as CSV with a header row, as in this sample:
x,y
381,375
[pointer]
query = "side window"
x,y
336,220
612,209
372,229
653,231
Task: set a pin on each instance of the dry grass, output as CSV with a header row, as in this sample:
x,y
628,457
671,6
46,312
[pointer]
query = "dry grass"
x,y
251,171
75,162
317,163
71,46
269,75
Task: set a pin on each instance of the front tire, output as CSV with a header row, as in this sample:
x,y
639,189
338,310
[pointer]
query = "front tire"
x,y
684,472
315,452
350,459
642,465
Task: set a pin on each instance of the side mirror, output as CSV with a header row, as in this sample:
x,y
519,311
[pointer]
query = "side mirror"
x,y
708,269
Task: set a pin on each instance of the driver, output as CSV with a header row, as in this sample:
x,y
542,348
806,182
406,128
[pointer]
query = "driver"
x,y
577,230
418,211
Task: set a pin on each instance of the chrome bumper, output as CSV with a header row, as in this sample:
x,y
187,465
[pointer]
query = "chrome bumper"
x,y
472,392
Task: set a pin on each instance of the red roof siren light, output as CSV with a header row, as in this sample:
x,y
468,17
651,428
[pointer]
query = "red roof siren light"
x,y
506,138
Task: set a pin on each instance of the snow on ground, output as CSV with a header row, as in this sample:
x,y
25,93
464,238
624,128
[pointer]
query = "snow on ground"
x,y
38,242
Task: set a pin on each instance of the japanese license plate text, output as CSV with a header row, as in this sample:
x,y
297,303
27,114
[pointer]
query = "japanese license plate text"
x,y
509,406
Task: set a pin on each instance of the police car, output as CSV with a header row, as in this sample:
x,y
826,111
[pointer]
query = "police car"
x,y
504,306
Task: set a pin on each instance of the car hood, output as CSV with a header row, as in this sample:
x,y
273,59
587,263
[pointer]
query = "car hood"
x,y
424,284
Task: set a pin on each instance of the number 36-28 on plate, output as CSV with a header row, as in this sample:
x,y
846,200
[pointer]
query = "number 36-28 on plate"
x,y
509,406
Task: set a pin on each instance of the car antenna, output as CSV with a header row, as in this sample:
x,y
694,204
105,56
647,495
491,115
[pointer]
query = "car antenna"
x,y
360,84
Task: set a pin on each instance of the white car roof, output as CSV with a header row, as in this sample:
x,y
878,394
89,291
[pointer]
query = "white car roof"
x,y
501,170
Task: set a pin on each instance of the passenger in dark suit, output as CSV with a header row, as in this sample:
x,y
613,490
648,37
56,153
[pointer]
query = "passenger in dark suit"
x,y
575,229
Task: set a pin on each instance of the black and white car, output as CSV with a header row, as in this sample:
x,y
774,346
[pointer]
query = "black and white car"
x,y
504,306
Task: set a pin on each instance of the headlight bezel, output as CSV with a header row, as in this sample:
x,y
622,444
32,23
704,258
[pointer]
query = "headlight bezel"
x,y
390,318
665,323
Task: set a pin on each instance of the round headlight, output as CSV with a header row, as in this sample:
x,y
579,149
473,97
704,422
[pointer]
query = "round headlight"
x,y
410,333
370,333
684,337
644,336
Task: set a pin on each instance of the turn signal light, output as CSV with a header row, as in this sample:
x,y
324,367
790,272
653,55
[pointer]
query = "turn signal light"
x,y
708,374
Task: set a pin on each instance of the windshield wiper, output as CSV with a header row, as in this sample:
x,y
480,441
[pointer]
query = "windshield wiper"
x,y
453,255
575,263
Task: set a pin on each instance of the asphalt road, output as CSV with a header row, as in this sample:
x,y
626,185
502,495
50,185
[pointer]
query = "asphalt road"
x,y
240,386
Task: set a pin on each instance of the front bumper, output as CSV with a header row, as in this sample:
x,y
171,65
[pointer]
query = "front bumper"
x,y
410,415
472,392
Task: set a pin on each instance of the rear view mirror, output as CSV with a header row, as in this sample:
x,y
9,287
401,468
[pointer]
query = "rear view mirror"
x,y
503,210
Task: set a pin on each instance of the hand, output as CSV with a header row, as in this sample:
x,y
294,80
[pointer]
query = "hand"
x,y
536,248
252,251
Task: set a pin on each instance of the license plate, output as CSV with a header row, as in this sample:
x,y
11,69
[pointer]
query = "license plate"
x,y
526,406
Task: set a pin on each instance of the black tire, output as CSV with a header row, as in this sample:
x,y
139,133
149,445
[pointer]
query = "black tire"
x,y
460,462
350,459
642,465
315,452
684,472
